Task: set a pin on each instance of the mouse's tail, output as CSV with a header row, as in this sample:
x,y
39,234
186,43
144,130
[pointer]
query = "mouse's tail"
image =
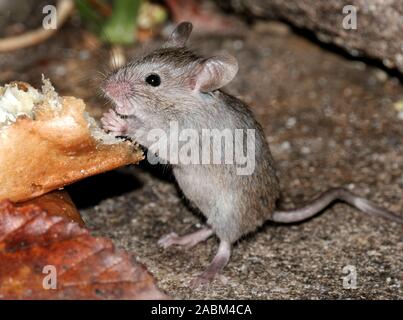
x,y
325,199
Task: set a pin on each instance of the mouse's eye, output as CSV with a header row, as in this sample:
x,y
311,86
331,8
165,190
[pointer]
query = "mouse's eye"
x,y
153,79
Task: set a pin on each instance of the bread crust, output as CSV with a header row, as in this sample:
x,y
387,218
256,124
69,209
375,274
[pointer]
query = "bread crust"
x,y
53,150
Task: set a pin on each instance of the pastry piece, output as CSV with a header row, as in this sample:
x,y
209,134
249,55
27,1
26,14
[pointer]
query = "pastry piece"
x,y
48,141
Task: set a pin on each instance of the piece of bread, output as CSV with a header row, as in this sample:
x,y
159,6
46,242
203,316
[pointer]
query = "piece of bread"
x,y
47,142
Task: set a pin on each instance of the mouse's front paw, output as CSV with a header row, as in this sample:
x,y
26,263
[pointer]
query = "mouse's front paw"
x,y
113,123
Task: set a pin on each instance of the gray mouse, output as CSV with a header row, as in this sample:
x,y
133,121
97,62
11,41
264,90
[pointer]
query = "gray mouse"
x,y
172,83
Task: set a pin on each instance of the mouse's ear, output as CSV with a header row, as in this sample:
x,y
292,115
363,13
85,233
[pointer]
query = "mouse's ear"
x,y
180,35
214,73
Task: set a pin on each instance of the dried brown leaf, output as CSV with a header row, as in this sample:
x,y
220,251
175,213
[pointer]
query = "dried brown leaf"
x,y
57,203
86,267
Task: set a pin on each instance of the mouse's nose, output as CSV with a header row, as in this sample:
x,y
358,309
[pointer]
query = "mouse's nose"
x,y
116,89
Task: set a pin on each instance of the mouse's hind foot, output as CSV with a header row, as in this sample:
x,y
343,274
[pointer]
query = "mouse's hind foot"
x,y
219,262
187,241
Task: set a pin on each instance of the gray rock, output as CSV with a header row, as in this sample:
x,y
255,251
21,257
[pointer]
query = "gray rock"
x,y
379,23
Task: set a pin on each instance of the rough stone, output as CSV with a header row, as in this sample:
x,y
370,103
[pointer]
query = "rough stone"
x,y
379,23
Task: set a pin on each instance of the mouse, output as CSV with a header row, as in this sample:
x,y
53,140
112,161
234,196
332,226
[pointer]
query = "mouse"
x,y
174,84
